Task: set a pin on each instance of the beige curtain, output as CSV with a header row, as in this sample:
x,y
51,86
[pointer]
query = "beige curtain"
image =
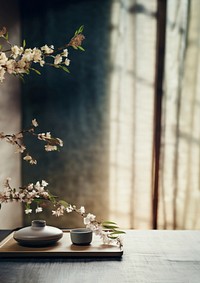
x,y
132,59
180,161
133,43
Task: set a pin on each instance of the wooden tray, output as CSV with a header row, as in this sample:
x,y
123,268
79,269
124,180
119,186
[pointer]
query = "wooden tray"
x,y
9,248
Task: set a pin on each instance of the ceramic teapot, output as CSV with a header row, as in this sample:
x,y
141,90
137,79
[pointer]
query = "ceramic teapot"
x,y
38,234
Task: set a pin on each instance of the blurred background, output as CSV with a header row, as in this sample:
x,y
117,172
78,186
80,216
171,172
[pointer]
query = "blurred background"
x,y
128,112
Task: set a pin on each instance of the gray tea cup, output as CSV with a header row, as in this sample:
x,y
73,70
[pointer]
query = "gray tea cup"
x,y
81,236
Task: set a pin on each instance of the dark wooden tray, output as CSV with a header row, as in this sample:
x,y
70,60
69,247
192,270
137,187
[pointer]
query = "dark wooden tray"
x,y
9,248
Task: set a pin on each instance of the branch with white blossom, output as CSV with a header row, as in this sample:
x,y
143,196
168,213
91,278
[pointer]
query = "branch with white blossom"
x,y
19,60
51,143
37,193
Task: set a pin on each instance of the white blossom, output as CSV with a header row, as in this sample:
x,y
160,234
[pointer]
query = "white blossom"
x,y
60,142
57,59
3,58
27,157
67,62
38,209
81,210
69,208
21,66
59,211
34,123
16,51
105,238
30,159
48,135
65,53
44,183
28,55
28,210
47,49
45,195
92,227
44,136
30,186
49,147
37,55
10,66
37,185
89,218
33,161
42,62
2,73
20,149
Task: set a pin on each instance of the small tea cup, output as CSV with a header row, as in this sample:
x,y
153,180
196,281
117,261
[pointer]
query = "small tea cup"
x,y
81,236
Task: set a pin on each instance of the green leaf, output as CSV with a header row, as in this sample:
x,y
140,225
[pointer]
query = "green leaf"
x,y
27,206
81,48
64,203
81,29
36,71
22,78
110,226
116,232
52,198
64,69
24,43
0,46
6,36
112,236
109,222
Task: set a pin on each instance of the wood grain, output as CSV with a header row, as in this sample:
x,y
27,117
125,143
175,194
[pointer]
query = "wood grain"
x,y
149,257
63,248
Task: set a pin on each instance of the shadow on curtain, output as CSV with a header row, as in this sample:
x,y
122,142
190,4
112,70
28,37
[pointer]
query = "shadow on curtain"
x,y
180,166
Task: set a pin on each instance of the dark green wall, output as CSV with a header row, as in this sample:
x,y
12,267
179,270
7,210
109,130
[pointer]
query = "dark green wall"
x,y
72,106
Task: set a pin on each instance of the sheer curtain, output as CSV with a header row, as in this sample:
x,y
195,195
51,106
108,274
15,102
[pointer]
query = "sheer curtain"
x,y
132,61
180,160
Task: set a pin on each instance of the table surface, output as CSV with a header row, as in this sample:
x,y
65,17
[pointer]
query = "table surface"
x,y
151,256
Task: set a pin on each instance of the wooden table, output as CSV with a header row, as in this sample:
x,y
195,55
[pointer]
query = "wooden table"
x,y
149,257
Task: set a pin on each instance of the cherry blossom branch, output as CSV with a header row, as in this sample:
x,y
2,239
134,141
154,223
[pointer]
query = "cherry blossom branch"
x,y
20,59
37,193
51,143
